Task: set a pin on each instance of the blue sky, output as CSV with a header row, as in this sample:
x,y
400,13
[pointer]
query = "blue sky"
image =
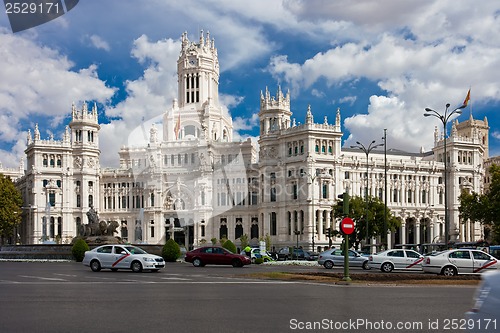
x,y
381,62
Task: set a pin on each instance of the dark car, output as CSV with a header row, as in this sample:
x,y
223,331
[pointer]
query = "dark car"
x,y
215,255
297,254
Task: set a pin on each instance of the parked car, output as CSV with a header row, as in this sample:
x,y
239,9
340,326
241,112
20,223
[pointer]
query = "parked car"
x,y
486,309
256,253
335,257
396,259
215,255
459,261
297,254
120,256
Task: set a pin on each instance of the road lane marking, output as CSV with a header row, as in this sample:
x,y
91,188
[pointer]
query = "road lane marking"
x,y
42,278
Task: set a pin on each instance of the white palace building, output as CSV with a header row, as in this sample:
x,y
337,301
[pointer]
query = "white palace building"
x,y
191,181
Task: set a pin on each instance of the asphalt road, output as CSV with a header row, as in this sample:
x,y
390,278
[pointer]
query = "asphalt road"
x,y
68,297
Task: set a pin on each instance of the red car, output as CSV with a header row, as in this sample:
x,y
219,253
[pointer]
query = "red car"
x,y
215,255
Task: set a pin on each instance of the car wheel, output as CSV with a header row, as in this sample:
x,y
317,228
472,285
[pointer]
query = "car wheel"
x,y
237,263
387,267
95,265
366,266
197,263
328,264
136,267
449,271
114,269
253,260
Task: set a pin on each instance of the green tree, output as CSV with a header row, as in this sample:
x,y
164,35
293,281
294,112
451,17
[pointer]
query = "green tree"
x,y
357,212
79,248
11,203
171,251
244,241
228,245
484,208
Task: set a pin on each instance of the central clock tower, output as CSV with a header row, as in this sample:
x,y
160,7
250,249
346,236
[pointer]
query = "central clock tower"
x,y
198,72
196,113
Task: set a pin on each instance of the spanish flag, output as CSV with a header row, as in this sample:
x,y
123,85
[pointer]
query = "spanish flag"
x,y
177,127
466,100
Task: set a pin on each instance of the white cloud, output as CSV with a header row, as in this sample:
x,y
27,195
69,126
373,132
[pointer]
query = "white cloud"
x,y
348,99
245,124
147,97
39,82
99,43
317,93
429,69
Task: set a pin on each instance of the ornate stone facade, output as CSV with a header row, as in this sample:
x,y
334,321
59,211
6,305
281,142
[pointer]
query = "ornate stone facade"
x,y
190,180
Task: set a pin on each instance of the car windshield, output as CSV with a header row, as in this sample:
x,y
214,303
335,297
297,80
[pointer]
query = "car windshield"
x,y
135,250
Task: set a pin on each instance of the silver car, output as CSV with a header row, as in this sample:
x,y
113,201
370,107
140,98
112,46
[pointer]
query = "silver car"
x,y
486,310
335,257
396,259
459,261
121,256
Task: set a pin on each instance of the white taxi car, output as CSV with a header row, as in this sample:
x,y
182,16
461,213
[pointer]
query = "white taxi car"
x,y
120,256
459,261
397,259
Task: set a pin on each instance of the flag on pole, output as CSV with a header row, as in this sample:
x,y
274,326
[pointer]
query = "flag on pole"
x,y
177,127
466,100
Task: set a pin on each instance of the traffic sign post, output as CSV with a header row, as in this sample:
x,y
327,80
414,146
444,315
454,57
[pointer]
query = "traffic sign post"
x,y
347,228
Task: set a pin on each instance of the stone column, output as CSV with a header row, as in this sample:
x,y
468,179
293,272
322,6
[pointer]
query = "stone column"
x,y
417,231
403,232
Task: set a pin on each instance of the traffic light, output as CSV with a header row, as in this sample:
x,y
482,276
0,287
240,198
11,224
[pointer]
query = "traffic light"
x,y
344,201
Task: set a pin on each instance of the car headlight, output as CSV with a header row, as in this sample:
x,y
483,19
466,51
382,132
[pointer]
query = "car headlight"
x,y
148,259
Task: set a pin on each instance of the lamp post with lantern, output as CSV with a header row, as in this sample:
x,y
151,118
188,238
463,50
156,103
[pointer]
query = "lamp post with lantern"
x,y
367,151
444,118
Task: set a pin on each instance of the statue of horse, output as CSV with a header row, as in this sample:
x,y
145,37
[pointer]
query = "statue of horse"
x,y
112,226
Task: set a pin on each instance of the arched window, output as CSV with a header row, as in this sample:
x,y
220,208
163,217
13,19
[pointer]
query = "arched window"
x,y
238,230
223,231
254,231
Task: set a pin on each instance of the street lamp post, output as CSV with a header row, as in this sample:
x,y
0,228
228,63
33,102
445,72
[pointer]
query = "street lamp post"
x,y
444,119
384,236
367,151
297,233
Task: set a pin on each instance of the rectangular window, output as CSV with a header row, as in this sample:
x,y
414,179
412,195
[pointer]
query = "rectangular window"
x,y
52,199
254,198
273,194
273,224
